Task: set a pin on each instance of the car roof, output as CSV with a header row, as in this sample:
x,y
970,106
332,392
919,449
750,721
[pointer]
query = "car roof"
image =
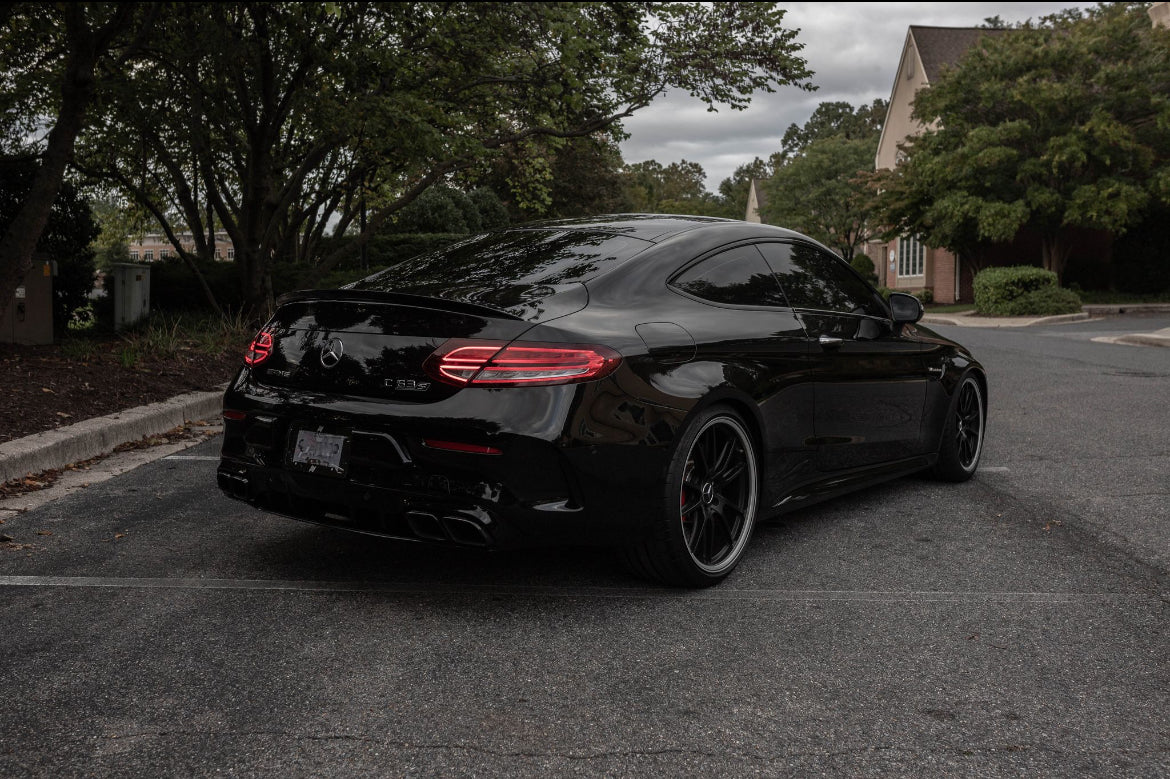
x,y
647,227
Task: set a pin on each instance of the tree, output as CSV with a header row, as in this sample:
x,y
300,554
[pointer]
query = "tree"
x,y
280,120
1065,123
584,177
65,239
833,119
817,193
56,55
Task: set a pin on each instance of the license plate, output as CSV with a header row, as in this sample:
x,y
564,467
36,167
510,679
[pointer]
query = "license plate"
x,y
315,451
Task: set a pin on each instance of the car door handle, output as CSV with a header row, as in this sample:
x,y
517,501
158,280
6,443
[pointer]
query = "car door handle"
x,y
829,342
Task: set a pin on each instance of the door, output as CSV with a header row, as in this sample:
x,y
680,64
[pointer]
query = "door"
x,y
870,381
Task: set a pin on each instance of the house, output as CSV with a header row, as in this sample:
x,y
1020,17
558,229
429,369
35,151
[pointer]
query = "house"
x,y
908,265
905,263
756,200
156,246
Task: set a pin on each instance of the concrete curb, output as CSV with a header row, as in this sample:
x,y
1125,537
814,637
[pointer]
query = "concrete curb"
x,y
1002,321
92,437
1102,309
1156,338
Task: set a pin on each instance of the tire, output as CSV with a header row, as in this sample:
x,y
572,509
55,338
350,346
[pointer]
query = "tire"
x,y
962,440
708,507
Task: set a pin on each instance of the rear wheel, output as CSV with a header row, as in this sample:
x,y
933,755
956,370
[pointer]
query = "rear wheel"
x,y
709,505
962,441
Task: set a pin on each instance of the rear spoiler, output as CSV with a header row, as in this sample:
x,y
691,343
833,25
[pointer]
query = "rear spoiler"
x,y
395,298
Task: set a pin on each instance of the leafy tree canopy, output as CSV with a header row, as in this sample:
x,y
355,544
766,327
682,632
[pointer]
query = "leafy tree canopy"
x,y
832,119
1064,123
275,119
817,193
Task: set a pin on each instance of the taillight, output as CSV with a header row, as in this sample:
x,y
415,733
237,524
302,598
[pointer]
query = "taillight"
x,y
498,364
260,349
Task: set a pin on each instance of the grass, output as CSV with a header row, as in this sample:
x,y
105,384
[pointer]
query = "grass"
x,y
162,336
950,308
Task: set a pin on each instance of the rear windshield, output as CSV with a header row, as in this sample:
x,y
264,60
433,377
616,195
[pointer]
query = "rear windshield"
x,y
513,259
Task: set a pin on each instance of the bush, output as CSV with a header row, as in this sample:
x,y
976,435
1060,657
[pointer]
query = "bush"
x,y
1046,301
1022,290
173,287
864,265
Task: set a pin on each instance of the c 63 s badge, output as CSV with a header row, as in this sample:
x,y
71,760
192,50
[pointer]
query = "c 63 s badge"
x,y
407,385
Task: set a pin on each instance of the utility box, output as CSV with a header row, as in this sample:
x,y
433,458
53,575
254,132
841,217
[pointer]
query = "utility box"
x,y
28,317
131,293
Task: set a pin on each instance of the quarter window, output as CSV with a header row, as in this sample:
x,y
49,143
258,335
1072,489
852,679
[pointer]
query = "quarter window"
x,y
737,276
911,256
819,281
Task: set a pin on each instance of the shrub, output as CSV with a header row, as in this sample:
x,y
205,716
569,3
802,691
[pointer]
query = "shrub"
x,y
1046,301
173,287
1022,290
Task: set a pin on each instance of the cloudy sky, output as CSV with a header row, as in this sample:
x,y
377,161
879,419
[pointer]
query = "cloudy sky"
x,y
853,50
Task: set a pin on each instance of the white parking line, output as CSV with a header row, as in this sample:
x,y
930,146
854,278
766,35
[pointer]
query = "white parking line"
x,y
985,469
720,593
204,457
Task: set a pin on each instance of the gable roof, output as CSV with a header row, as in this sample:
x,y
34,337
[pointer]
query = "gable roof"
x,y
940,47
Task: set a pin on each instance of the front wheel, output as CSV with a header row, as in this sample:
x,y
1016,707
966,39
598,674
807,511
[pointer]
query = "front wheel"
x,y
962,441
709,505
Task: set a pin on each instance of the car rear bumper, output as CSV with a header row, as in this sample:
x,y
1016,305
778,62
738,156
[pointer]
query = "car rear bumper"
x,y
540,485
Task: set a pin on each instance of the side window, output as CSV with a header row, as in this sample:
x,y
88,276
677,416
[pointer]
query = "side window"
x,y
737,276
817,280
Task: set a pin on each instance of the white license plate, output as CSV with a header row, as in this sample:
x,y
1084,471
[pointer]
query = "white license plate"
x,y
319,449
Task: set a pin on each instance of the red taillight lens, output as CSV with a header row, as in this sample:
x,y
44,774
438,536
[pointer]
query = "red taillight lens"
x,y
496,364
460,446
260,349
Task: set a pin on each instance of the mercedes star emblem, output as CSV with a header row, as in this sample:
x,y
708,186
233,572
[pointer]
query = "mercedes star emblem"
x,y
331,352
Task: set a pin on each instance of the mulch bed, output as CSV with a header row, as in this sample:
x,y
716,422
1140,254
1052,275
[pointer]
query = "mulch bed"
x,y
43,388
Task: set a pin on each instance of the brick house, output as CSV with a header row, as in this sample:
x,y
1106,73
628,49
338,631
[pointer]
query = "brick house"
x,y
905,263
152,247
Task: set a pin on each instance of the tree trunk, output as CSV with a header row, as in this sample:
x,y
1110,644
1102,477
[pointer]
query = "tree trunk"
x,y
1055,249
20,238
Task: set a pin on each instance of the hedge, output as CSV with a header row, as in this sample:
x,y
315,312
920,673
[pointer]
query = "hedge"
x,y
1022,290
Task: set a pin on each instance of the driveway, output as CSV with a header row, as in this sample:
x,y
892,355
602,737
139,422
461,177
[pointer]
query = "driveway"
x,y
1015,624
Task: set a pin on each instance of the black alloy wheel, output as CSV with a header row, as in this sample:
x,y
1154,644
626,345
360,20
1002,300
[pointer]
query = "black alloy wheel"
x,y
962,442
710,505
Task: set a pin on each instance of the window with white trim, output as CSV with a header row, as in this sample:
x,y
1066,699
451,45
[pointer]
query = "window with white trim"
x,y
911,256
148,255
231,254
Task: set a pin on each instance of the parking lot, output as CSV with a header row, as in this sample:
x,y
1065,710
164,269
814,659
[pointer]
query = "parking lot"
x,y
1014,624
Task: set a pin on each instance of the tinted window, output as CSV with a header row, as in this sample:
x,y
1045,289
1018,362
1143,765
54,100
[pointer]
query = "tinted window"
x,y
815,279
510,259
738,276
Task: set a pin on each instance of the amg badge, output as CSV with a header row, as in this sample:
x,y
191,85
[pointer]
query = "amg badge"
x,y
407,385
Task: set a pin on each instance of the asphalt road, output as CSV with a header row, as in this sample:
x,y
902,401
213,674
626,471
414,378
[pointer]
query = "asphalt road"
x,y
1013,625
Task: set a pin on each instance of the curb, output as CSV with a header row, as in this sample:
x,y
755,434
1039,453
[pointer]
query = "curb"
x,y
99,435
1022,321
1099,309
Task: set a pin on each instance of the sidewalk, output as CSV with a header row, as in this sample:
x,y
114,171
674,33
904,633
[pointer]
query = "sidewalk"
x,y
98,436
1155,338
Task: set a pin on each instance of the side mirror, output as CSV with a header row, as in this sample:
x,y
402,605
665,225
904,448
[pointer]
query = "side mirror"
x,y
905,309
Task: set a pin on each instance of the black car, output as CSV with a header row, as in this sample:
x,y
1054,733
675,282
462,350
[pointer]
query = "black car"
x,y
654,383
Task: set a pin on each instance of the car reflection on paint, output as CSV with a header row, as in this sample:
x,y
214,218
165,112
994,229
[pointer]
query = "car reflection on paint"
x,y
658,384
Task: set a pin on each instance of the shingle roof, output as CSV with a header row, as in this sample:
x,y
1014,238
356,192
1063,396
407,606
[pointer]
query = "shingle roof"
x,y
940,47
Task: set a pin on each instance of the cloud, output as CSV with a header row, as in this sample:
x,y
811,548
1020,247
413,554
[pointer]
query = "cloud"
x,y
853,48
